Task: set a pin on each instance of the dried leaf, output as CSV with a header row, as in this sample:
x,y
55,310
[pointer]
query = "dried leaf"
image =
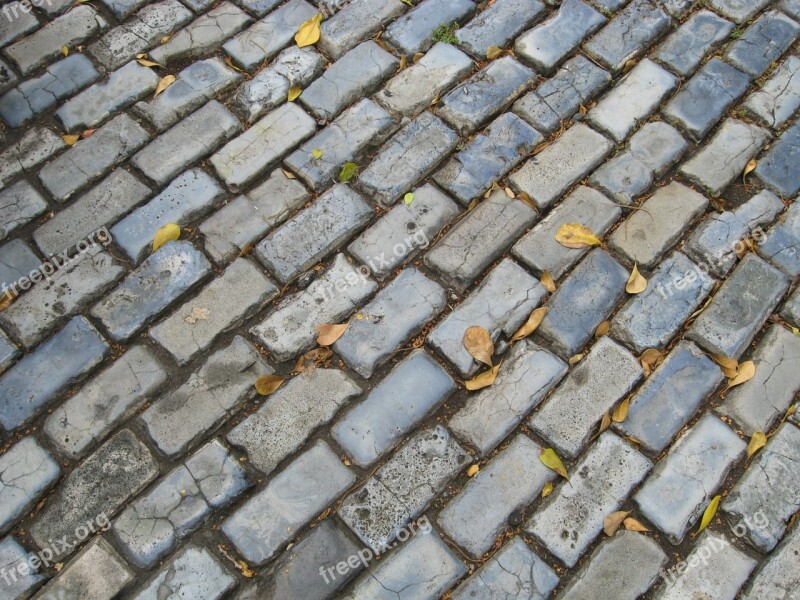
x,y
266,384
730,366
197,314
166,38
602,329
547,489
573,235
317,153
330,332
294,93
632,524
166,233
472,204
147,62
534,320
408,198
509,192
7,299
288,174
628,65
745,372
473,470
709,513
64,50
526,198
483,380
605,423
749,167
621,411
636,282
573,360
479,344
232,65
650,360
612,522
493,52
417,57
87,133
758,441
551,460
71,140
312,359
547,281
403,62
246,570
348,170
308,33
165,82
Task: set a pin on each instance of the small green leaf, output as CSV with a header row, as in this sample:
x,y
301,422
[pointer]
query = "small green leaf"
x,y
408,198
348,170
316,153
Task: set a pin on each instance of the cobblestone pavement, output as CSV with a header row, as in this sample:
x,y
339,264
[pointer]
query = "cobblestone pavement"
x,y
413,189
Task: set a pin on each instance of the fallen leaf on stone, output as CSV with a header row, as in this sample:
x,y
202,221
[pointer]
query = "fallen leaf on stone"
x,y
294,93
147,62
165,82
573,235
472,204
632,524
547,281
749,167
330,332
407,2
483,380
312,359
729,366
197,314
628,66
71,140
612,522
795,330
266,384
232,65
758,441
417,57
288,174
308,33
744,373
605,422
479,344
529,326
87,133
403,62
64,50
166,233
348,170
602,329
551,460
650,360
246,570
636,282
509,192
621,411
573,360
547,489
709,513
526,198
473,470
166,38
316,153
7,300
493,52
408,198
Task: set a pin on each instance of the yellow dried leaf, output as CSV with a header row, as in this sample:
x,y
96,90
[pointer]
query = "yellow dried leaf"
x,y
473,470
408,198
166,38
165,82
758,441
745,372
573,235
534,320
246,570
483,380
547,281
71,140
147,62
308,33
729,366
612,522
330,332
417,57
64,50
790,412
621,411
311,359
316,153
605,422
650,360
288,174
551,460
7,299
547,489
749,167
87,133
166,233
479,344
632,524
573,360
628,66
232,65
266,384
709,513
403,62
294,93
509,192
493,52
636,282
602,329
526,198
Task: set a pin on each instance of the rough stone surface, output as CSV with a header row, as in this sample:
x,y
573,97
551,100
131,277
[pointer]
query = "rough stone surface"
x,y
777,167
355,22
26,472
11,554
413,32
18,205
780,30
194,573
685,49
777,577
33,148
497,25
780,245
780,97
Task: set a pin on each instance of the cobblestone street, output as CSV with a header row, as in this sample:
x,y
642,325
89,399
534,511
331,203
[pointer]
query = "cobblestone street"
x,y
399,299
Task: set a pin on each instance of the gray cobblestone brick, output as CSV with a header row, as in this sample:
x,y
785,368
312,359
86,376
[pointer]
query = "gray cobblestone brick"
x,y
184,335
407,158
11,555
17,260
115,394
194,573
413,32
686,48
291,499
682,484
791,8
117,471
258,7
395,314
38,94
92,157
195,84
208,396
528,375
188,196
55,7
568,418
8,78
123,8
481,237
560,97
194,138
497,25
547,44
415,88
779,98
738,10
17,22
291,415
774,26
245,219
499,304
38,377
336,216
739,308
18,205
360,128
152,287
26,472
777,168
572,517
33,148
777,578
8,352
291,327
550,173
791,308
270,35
649,233
400,401
781,244
139,33
356,22
511,481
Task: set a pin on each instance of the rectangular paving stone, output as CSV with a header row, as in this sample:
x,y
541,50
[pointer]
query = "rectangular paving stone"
x,y
26,471
572,517
413,89
18,205
139,33
91,158
528,375
336,216
791,8
194,573
8,352
686,48
206,398
270,35
560,97
32,149
777,168
413,32
497,25
291,415
38,94
632,100
203,35
17,260
359,129
401,400
739,308
779,98
546,176
100,485
247,218
291,327
199,82
408,157
648,234
123,8
738,10
477,240
500,304
791,308
777,577
111,397
780,30
11,555
149,289
192,139
261,526
488,157
780,245
58,363
357,21
396,313
17,22
511,481
682,484
569,417
547,44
